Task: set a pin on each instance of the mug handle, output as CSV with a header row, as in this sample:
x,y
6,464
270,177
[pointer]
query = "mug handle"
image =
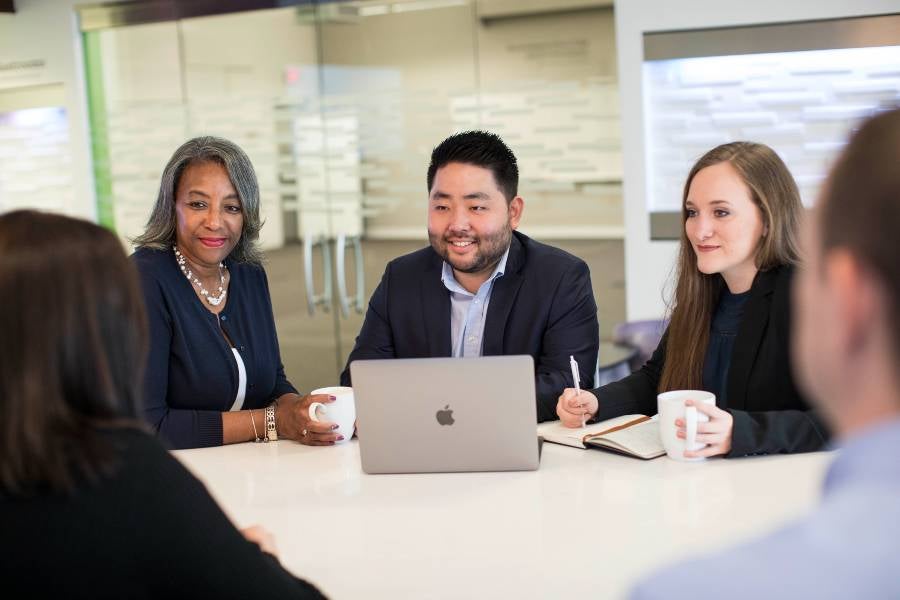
x,y
690,421
316,405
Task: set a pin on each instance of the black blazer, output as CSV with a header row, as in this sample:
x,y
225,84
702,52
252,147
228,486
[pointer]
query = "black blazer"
x,y
543,305
146,528
770,414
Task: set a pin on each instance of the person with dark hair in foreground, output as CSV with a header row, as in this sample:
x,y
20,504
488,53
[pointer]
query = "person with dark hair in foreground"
x,y
482,288
90,504
847,346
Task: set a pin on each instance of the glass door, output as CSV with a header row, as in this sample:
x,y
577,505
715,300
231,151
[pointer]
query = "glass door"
x,y
389,83
253,77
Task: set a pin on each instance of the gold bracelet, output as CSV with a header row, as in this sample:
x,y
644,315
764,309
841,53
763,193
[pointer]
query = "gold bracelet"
x,y
252,422
271,432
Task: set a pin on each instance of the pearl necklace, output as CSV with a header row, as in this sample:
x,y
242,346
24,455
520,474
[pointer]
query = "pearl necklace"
x,y
214,300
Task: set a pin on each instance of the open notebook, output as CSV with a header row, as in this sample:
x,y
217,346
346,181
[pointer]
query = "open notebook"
x,y
634,435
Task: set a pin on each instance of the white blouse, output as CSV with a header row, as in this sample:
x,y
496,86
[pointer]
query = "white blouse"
x,y
242,381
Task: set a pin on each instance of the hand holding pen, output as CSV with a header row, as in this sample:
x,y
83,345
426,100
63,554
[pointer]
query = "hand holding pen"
x,y
576,378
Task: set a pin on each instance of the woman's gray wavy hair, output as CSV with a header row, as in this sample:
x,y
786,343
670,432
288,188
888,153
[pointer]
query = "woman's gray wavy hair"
x,y
160,231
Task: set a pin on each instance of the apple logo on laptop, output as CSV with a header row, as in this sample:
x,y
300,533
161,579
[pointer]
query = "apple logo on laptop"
x,y
445,417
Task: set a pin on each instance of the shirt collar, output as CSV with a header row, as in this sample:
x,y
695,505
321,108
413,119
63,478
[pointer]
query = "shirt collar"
x,y
453,285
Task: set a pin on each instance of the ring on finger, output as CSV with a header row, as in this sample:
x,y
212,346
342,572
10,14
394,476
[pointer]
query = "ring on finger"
x,y
304,432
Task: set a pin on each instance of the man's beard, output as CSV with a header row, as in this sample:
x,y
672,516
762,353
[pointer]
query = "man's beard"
x,y
489,250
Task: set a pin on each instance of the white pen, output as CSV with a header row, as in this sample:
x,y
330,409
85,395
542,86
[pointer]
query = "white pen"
x,y
576,378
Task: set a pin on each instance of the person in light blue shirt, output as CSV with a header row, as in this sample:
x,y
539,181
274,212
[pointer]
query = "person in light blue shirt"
x,y
847,347
468,310
481,287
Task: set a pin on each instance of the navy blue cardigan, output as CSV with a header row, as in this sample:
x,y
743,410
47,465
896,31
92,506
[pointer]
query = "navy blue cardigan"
x,y
192,377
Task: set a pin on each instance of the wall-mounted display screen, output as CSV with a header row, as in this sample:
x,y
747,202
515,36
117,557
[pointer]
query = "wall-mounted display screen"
x,y
802,100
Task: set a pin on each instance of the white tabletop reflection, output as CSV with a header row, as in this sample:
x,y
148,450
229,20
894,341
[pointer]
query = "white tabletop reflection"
x,y
586,524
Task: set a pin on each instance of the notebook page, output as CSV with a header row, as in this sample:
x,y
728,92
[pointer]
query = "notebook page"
x,y
642,439
556,432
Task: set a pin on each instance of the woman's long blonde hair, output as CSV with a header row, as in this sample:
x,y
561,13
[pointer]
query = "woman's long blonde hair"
x,y
774,191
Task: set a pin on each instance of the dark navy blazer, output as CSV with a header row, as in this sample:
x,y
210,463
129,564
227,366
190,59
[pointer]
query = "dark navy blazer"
x,y
543,305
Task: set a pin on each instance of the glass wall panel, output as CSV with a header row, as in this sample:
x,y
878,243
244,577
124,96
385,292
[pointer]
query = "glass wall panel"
x,y
338,105
389,83
253,77
138,117
396,70
35,162
548,86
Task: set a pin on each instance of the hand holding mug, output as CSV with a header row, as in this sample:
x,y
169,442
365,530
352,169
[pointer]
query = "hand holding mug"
x,y
341,411
716,432
573,404
683,421
294,423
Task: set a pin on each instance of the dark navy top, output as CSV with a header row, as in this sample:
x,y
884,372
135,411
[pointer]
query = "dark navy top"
x,y
722,333
192,376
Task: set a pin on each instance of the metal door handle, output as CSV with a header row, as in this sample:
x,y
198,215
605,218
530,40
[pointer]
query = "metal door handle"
x,y
325,298
357,302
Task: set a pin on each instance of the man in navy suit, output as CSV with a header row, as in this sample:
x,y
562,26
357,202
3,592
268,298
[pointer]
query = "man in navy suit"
x,y
482,288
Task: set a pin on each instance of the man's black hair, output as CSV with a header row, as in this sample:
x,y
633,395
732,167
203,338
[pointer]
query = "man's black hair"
x,y
481,149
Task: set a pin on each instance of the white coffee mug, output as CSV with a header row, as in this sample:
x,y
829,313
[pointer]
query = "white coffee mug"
x,y
342,411
671,406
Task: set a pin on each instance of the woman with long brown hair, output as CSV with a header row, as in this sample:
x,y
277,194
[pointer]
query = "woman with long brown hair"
x,y
91,505
730,321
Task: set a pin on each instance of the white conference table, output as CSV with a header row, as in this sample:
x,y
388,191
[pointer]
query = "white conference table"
x,y
587,524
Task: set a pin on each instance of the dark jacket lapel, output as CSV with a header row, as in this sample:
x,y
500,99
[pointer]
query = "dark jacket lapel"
x,y
436,310
750,333
503,297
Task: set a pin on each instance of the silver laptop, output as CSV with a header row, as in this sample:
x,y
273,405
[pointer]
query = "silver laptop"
x,y
430,415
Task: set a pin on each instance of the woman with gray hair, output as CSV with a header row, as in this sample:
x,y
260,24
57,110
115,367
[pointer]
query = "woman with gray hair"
x,y
214,373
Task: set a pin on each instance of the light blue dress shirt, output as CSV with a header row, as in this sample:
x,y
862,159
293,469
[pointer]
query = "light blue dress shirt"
x,y
849,547
468,311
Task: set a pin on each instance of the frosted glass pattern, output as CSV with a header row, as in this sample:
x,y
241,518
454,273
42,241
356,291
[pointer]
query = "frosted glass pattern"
x,y
802,104
141,137
35,163
340,116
